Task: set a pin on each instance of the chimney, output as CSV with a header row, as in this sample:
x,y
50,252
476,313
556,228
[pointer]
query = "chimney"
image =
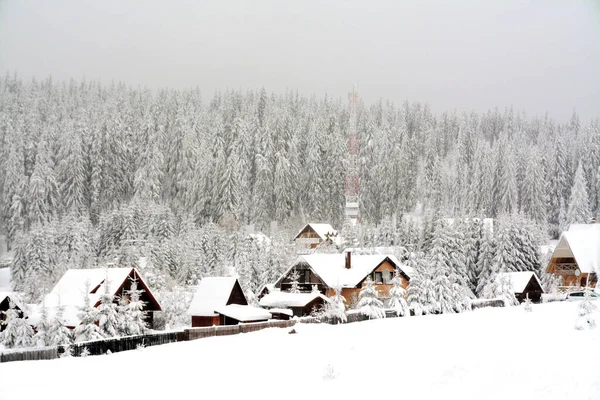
x,y
348,259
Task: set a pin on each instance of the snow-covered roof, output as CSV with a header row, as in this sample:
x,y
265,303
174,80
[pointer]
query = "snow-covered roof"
x,y
281,299
583,242
244,313
320,229
519,280
284,311
5,285
212,293
331,268
13,298
71,288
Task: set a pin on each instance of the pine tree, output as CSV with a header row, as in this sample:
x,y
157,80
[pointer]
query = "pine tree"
x,y
42,337
398,297
369,304
108,317
579,206
335,309
58,333
295,285
136,324
17,332
88,317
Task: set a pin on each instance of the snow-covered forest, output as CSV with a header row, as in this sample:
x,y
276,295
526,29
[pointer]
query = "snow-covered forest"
x,y
96,173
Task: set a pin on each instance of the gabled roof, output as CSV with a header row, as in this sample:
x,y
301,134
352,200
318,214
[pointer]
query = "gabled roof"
x,y
244,313
519,280
71,288
281,299
322,230
331,268
583,242
5,285
11,296
212,293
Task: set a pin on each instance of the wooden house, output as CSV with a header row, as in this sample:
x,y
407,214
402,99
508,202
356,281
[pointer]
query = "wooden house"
x,y
301,304
70,289
576,257
524,284
221,301
313,235
6,298
347,270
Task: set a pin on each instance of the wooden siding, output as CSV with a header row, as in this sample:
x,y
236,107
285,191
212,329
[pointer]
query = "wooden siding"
x,y
205,321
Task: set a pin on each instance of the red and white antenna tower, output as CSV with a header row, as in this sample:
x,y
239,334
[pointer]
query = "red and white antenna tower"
x,y
352,184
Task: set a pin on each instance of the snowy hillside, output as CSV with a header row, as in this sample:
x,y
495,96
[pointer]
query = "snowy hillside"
x,y
493,353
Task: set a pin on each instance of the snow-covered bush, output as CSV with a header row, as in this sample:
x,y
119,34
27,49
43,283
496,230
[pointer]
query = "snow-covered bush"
x,y
585,310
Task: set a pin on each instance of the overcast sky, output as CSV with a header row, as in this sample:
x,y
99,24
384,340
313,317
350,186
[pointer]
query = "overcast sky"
x,y
536,55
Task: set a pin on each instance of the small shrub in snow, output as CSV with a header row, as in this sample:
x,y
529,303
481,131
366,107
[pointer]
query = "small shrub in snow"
x,y
527,304
108,352
85,352
329,373
585,309
68,352
293,331
140,346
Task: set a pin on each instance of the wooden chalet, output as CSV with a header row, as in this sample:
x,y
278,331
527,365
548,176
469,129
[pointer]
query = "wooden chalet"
x,y
347,270
576,257
525,284
6,298
70,289
221,301
300,304
313,235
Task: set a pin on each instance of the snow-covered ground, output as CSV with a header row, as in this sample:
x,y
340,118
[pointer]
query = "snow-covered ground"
x,y
492,353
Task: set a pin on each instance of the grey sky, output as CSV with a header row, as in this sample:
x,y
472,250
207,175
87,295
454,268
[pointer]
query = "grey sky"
x,y
536,55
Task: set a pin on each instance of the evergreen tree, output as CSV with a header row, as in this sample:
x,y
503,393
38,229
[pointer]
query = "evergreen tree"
x,y
58,333
579,206
135,323
17,332
369,304
398,297
41,337
108,316
294,278
335,309
88,317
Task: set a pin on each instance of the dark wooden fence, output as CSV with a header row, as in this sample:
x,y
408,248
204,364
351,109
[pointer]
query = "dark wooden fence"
x,y
115,345
46,353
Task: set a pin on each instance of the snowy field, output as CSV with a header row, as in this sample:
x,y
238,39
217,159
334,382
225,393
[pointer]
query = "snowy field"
x,y
492,353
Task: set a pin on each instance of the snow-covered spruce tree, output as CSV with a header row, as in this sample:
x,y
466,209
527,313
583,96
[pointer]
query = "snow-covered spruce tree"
x,y
88,317
421,290
578,211
135,323
585,310
449,285
504,291
58,333
17,332
176,303
398,297
108,316
335,309
42,337
369,304
294,282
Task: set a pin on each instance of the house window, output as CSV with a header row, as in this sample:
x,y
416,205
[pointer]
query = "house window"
x,y
306,276
378,277
387,277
